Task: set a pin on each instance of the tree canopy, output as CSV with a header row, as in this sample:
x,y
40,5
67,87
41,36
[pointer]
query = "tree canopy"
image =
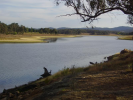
x,y
14,28
89,10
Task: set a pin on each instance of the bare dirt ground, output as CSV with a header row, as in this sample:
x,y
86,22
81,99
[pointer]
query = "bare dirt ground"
x,y
107,85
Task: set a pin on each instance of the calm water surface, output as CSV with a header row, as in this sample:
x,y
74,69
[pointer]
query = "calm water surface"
x,y
21,63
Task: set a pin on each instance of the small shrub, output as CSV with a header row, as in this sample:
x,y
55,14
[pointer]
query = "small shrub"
x,y
15,33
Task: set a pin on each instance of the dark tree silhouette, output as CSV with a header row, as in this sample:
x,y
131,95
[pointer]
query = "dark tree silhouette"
x,y
89,10
92,63
130,19
46,73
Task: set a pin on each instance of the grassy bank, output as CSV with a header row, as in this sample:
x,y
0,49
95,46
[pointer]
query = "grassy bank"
x,y
42,38
110,80
31,38
126,37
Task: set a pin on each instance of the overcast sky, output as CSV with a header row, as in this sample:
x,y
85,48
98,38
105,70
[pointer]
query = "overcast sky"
x,y
43,13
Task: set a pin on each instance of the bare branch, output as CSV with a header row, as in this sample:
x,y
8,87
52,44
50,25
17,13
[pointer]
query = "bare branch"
x,y
67,15
89,10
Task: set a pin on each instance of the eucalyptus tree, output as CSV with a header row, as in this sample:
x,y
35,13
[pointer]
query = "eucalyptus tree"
x,y
13,27
130,19
22,29
89,10
41,30
31,30
3,28
46,30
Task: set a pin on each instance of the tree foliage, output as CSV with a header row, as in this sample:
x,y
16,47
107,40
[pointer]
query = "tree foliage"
x,y
48,31
12,28
70,31
89,10
130,19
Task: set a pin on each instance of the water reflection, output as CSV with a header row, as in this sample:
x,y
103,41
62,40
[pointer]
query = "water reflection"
x,y
51,40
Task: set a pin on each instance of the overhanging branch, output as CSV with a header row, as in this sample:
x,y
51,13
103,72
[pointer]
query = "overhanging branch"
x,y
91,9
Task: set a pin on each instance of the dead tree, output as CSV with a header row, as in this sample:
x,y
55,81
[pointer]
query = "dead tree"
x,y
46,73
92,63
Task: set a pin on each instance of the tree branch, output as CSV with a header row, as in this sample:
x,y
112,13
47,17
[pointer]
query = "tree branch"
x,y
91,9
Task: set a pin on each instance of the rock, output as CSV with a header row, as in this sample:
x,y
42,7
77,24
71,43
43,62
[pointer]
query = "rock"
x,y
125,51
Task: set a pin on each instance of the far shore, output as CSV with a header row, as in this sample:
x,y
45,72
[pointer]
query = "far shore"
x,y
126,37
43,38
32,38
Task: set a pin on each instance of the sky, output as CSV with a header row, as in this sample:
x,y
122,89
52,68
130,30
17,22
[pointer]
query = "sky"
x,y
45,13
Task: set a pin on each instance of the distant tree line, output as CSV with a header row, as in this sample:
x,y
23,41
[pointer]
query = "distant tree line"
x,y
89,31
131,33
14,28
48,31
69,31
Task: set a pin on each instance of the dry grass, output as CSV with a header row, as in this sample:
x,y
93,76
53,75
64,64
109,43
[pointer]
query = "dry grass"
x,y
112,80
60,74
126,37
30,38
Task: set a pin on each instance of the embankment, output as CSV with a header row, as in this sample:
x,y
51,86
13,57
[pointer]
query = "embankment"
x,y
110,80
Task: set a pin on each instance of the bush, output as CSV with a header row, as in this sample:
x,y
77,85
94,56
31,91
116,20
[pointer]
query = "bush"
x,y
15,33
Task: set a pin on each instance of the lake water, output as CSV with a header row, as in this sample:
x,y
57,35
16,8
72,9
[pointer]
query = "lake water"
x,y
21,63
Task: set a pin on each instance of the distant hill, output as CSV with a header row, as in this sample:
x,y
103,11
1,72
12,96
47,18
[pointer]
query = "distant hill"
x,y
51,28
64,28
120,28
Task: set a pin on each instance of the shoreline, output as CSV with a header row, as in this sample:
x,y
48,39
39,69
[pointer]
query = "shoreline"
x,y
126,37
46,38
63,82
33,38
